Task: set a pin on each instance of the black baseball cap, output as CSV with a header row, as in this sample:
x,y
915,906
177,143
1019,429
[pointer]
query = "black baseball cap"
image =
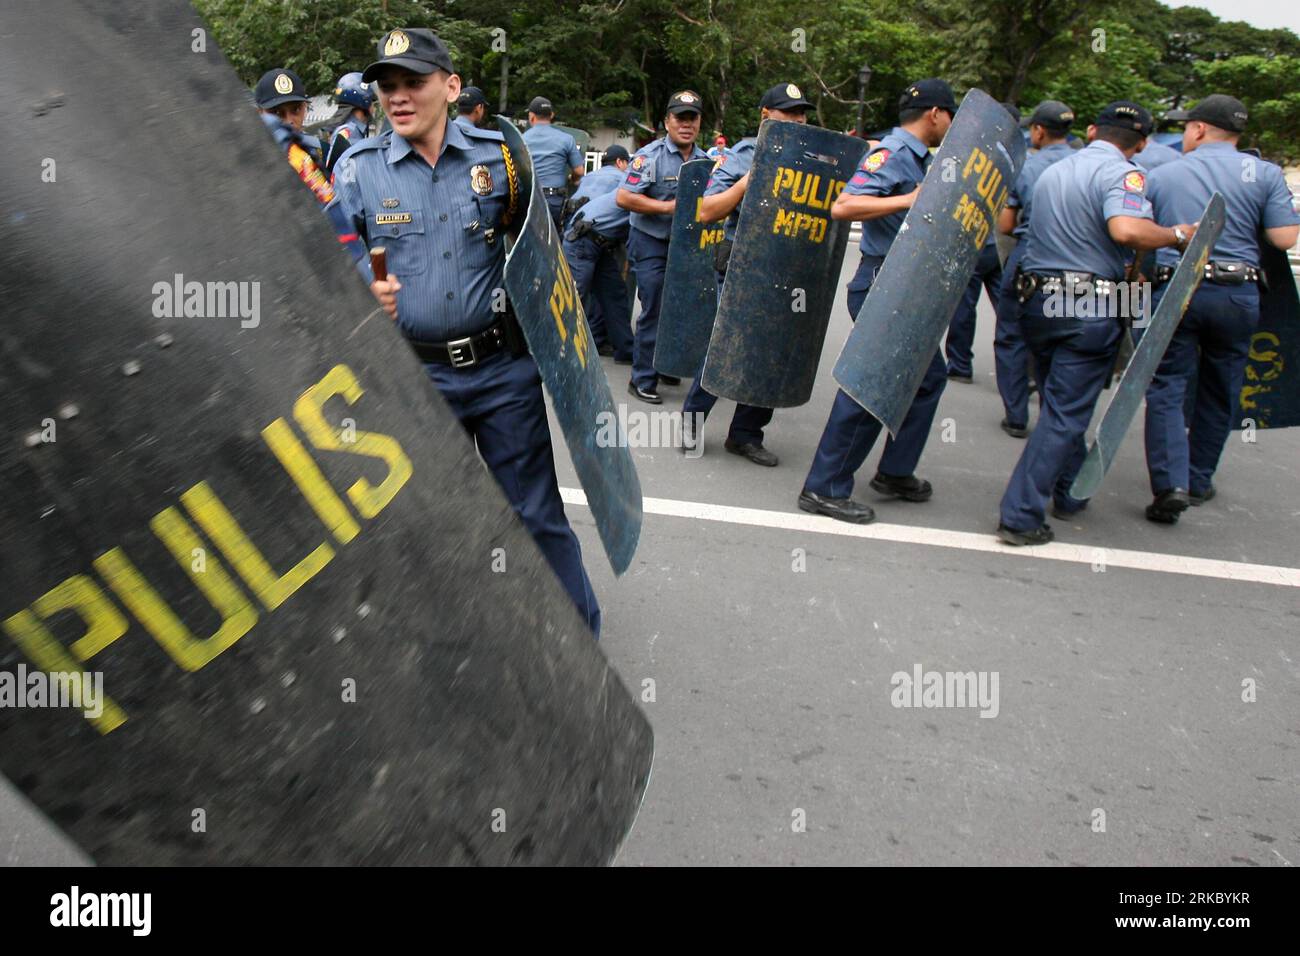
x,y
541,106
279,86
470,97
686,101
614,154
924,94
416,50
1053,115
1125,114
784,96
1218,109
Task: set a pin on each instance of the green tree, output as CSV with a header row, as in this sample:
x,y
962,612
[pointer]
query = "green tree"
x,y
1270,88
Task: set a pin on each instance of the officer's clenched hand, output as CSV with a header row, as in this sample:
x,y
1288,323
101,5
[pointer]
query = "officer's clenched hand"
x,y
385,290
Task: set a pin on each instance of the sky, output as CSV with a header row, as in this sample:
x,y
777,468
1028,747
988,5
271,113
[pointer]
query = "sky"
x,y
1266,14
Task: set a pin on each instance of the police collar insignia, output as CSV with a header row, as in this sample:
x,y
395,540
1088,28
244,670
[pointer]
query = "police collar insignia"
x,y
284,83
480,178
398,42
391,203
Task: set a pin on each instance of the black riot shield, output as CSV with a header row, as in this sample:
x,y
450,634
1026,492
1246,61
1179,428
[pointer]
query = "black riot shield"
x,y
781,278
690,296
290,617
546,300
1270,393
910,305
1132,388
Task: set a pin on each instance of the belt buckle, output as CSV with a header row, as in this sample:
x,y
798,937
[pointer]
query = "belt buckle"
x,y
456,352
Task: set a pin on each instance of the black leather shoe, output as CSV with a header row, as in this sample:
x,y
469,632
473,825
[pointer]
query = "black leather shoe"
x,y
1168,506
841,509
909,487
1196,499
670,379
963,379
1020,539
645,396
755,453
1015,431
1062,514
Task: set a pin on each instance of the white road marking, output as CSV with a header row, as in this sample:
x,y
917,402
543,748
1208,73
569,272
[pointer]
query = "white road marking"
x,y
965,541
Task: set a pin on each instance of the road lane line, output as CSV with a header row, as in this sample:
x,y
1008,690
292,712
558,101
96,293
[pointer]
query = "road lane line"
x,y
966,541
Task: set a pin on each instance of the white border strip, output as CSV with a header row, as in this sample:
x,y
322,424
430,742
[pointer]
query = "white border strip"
x,y
965,541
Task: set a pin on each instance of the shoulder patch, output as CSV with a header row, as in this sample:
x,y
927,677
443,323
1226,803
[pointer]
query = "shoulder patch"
x,y
876,160
1135,182
638,163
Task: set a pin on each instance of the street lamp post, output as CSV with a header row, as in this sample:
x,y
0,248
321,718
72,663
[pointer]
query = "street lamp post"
x,y
864,77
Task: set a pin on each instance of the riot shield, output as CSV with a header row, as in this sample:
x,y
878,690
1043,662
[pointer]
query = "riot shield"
x,y
1132,388
1270,394
546,300
690,296
233,501
911,302
781,278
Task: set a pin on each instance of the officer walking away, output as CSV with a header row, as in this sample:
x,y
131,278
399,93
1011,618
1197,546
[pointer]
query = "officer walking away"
x,y
879,195
472,109
556,158
1086,209
649,193
435,194
1049,125
1213,341
722,199
592,246
352,92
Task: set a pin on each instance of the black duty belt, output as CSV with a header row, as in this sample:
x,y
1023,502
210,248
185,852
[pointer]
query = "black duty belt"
x,y
554,191
462,353
1051,283
1219,273
605,242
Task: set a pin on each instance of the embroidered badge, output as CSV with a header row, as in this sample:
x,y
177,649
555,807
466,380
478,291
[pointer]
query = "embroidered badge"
x,y
397,42
1135,182
284,83
390,203
876,160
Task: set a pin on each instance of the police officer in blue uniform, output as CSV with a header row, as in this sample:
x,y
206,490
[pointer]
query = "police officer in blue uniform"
x,y
352,92
1154,155
472,109
1213,340
618,342
879,195
592,244
1049,125
722,199
556,158
649,193
613,168
282,100
436,194
1086,209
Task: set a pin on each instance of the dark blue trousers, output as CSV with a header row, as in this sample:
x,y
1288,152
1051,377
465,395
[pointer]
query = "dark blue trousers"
x,y
1010,356
649,258
851,430
1072,359
600,285
556,205
500,404
961,329
1212,343
747,422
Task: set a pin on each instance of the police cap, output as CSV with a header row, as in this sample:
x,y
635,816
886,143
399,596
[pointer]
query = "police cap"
x,y
1052,115
685,102
928,93
470,97
1125,114
541,106
1225,112
614,154
416,50
784,97
277,87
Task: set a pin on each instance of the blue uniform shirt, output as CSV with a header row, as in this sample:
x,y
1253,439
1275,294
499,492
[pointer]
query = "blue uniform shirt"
x,y
1022,194
1156,154
555,154
894,168
606,215
601,181
1179,192
1073,201
441,227
654,172
736,161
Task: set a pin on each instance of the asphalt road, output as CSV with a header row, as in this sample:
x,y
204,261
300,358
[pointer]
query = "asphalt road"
x,y
1120,735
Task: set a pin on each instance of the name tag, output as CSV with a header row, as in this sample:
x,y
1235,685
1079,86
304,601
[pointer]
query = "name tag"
x,y
391,218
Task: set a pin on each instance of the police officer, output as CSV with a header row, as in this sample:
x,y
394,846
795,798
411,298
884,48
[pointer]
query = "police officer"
x,y
1155,154
1182,455
472,109
1049,125
879,195
1086,209
352,92
722,199
613,168
435,194
592,246
649,193
556,158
